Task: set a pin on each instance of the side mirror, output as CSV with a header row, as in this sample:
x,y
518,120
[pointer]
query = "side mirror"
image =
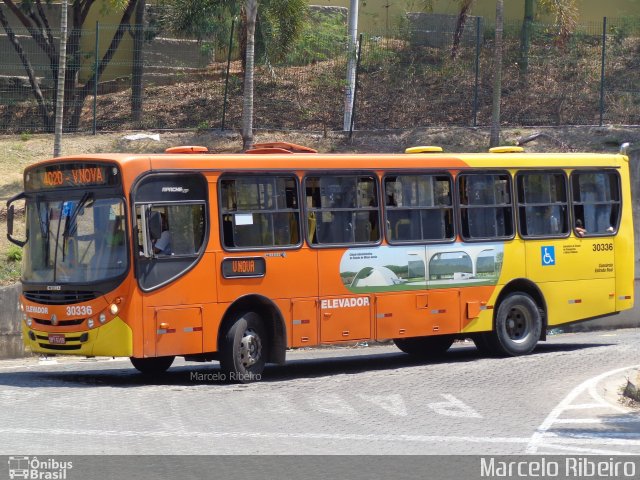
x,y
11,213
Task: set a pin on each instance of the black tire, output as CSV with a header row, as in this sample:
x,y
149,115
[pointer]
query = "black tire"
x,y
425,347
518,325
152,366
483,343
244,349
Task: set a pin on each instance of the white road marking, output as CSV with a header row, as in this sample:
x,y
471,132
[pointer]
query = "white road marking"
x,y
542,438
453,407
560,442
270,435
576,421
393,404
333,404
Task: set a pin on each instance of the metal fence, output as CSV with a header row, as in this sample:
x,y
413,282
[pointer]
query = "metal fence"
x,y
405,80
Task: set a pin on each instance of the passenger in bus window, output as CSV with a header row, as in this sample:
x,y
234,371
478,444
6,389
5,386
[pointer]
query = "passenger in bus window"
x,y
580,230
162,245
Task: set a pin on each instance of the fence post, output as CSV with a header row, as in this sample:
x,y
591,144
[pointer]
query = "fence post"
x,y
477,73
355,89
602,69
226,80
95,74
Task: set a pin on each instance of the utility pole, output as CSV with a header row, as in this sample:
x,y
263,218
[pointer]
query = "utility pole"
x,y
62,67
497,78
351,64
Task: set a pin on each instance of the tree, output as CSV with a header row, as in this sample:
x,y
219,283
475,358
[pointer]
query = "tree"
x,y
33,17
278,23
247,97
465,6
565,13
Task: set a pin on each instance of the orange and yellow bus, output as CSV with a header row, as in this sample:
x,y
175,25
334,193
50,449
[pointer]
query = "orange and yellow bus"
x,y
239,257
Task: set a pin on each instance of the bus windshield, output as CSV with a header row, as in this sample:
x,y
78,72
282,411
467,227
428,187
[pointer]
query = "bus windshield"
x,y
75,240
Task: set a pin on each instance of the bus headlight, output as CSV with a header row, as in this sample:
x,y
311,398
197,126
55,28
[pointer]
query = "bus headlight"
x,y
29,321
90,323
114,309
102,318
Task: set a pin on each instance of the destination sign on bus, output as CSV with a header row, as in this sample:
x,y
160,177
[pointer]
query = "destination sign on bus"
x,y
67,175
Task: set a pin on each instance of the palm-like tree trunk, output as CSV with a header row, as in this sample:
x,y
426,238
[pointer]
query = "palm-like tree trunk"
x,y
497,79
525,40
247,98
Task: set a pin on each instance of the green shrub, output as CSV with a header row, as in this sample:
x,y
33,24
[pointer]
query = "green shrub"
x,y
14,254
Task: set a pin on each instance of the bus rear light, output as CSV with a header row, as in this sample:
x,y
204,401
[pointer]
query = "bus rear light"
x,y
114,309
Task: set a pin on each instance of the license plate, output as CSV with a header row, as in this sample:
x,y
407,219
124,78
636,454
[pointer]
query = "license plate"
x,y
57,339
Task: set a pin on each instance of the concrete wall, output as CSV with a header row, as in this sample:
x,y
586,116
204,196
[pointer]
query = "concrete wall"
x,y
10,334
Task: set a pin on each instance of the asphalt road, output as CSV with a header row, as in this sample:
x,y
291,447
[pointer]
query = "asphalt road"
x,y
562,399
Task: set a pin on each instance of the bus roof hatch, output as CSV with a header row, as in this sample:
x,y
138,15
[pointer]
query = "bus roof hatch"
x,y
279,147
506,149
187,149
424,149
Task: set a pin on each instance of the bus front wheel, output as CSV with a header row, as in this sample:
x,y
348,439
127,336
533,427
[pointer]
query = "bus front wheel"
x,y
425,347
152,366
518,326
244,349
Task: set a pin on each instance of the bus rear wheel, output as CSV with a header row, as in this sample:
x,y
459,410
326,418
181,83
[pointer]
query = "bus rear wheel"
x,y
152,366
425,347
518,326
244,349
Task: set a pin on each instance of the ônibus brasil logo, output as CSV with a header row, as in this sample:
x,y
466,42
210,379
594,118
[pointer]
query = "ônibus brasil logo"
x,y
36,469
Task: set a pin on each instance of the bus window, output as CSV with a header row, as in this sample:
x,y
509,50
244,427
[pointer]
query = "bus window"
x,y
259,211
485,206
342,209
596,202
542,204
180,229
418,208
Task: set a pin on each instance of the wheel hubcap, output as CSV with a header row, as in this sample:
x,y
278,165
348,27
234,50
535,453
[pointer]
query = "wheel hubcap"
x,y
250,348
518,324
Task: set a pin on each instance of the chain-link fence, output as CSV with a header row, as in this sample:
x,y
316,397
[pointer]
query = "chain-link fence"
x,y
419,76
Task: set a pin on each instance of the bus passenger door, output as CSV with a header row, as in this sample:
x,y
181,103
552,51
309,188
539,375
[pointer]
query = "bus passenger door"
x,y
174,274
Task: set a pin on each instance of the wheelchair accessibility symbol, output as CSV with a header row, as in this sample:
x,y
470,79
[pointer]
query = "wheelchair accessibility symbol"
x,y
548,256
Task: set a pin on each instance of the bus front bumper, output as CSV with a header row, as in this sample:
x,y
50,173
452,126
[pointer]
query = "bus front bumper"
x,y
113,339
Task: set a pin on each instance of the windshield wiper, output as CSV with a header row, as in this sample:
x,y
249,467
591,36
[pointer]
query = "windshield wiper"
x,y
44,228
